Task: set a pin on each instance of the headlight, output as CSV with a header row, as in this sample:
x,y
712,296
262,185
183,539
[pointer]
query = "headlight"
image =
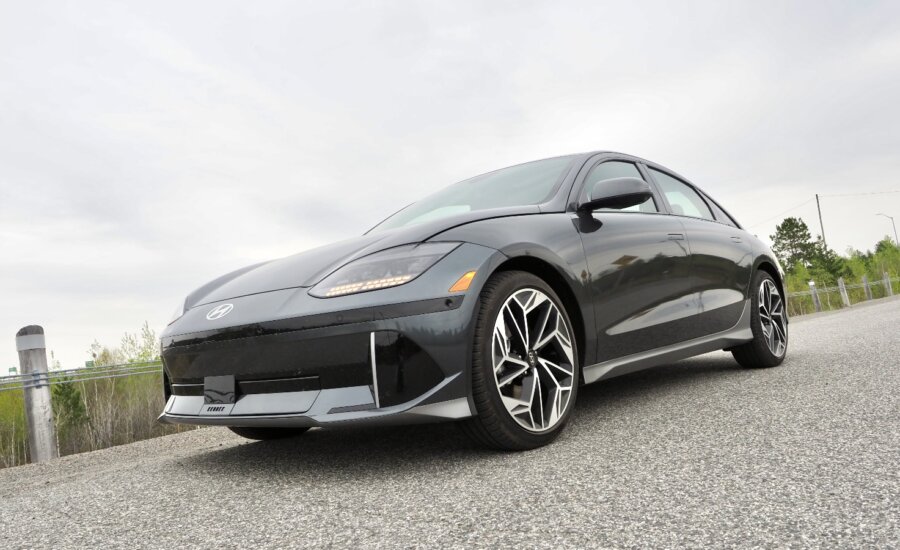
x,y
179,311
392,267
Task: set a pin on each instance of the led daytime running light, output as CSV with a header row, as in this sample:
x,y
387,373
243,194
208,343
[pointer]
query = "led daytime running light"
x,y
363,286
386,269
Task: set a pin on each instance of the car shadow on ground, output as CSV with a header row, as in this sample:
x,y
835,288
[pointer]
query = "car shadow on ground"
x,y
381,450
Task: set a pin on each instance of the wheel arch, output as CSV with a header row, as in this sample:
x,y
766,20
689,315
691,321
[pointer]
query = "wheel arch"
x,y
764,264
563,288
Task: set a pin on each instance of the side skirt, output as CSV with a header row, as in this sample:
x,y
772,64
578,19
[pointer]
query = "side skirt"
x,y
738,334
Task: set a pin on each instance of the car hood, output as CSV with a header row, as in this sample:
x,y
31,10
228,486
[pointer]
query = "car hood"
x,y
307,268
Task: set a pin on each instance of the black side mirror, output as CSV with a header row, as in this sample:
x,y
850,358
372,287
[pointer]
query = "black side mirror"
x,y
617,193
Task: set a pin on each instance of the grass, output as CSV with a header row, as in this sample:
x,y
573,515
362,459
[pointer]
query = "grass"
x,y
112,411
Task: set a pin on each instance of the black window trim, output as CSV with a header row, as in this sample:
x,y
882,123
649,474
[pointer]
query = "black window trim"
x,y
593,162
728,215
700,194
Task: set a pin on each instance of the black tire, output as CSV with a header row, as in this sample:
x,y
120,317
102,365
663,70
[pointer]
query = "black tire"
x,y
265,434
756,353
493,426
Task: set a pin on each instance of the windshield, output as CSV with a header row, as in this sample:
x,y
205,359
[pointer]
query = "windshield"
x,y
521,185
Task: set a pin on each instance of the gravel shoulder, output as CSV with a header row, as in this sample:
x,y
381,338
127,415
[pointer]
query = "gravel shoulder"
x,y
697,453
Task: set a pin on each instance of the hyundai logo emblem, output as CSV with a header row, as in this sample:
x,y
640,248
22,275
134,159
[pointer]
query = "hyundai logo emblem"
x,y
219,311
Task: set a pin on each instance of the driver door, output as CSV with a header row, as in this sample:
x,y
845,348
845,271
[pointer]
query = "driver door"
x,y
639,265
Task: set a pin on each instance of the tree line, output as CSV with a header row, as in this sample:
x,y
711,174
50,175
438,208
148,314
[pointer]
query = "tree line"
x,y
805,258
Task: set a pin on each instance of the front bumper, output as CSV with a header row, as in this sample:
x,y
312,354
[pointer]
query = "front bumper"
x,y
349,359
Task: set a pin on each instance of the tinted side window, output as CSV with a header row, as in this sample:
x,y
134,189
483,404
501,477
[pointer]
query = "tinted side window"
x,y
682,197
616,169
720,214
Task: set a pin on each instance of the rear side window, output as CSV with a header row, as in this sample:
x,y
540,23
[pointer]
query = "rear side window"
x,y
682,197
721,215
616,169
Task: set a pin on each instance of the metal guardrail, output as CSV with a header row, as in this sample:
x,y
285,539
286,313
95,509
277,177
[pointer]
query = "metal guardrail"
x,y
870,284
35,382
815,294
85,374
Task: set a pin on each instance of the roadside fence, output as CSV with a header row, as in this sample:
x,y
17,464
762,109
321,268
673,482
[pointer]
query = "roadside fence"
x,y
845,294
99,406
35,380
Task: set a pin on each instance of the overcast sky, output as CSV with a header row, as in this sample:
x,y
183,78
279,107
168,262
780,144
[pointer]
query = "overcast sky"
x,y
146,148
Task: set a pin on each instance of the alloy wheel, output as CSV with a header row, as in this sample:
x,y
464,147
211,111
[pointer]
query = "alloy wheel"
x,y
533,359
771,317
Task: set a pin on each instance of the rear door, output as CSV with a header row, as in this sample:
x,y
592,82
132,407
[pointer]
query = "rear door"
x,y
638,262
721,257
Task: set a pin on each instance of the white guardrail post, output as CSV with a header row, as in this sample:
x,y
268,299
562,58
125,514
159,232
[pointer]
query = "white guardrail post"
x,y
843,288
38,408
815,296
865,282
886,278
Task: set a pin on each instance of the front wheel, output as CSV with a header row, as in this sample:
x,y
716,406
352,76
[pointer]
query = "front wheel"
x,y
525,369
768,321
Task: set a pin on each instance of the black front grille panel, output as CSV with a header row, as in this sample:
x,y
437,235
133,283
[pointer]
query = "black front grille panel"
x,y
276,385
334,361
187,389
193,387
284,363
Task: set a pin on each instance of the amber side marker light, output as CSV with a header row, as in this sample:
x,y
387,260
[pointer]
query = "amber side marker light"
x,y
463,283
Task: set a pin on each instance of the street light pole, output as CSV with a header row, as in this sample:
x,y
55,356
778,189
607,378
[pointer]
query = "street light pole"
x,y
896,242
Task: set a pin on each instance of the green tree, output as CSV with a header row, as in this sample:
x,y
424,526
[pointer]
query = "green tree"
x,y
68,405
884,245
792,243
826,265
140,347
885,259
68,408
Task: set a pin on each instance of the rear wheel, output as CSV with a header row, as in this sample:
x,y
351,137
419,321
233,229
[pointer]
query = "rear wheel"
x,y
769,324
264,434
525,369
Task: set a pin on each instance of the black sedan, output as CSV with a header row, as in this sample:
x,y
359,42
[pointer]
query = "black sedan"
x,y
489,302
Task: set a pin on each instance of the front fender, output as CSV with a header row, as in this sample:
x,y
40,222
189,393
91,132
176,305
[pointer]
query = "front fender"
x,y
547,245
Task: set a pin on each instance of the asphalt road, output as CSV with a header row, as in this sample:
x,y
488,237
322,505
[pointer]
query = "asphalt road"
x,y
698,453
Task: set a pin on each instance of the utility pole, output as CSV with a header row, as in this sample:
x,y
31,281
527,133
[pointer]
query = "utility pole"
x,y
821,226
896,242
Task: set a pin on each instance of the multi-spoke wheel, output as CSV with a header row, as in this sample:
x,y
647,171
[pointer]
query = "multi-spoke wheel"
x,y
769,324
771,317
532,359
525,367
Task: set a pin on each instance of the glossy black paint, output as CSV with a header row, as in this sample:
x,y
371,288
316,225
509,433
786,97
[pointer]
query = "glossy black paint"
x,y
632,282
320,320
616,193
308,268
404,370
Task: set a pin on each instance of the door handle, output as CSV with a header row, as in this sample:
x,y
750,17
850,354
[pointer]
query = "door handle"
x,y
676,236
736,239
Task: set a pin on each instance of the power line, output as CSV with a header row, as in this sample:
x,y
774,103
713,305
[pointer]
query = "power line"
x,y
804,203
860,194
820,195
